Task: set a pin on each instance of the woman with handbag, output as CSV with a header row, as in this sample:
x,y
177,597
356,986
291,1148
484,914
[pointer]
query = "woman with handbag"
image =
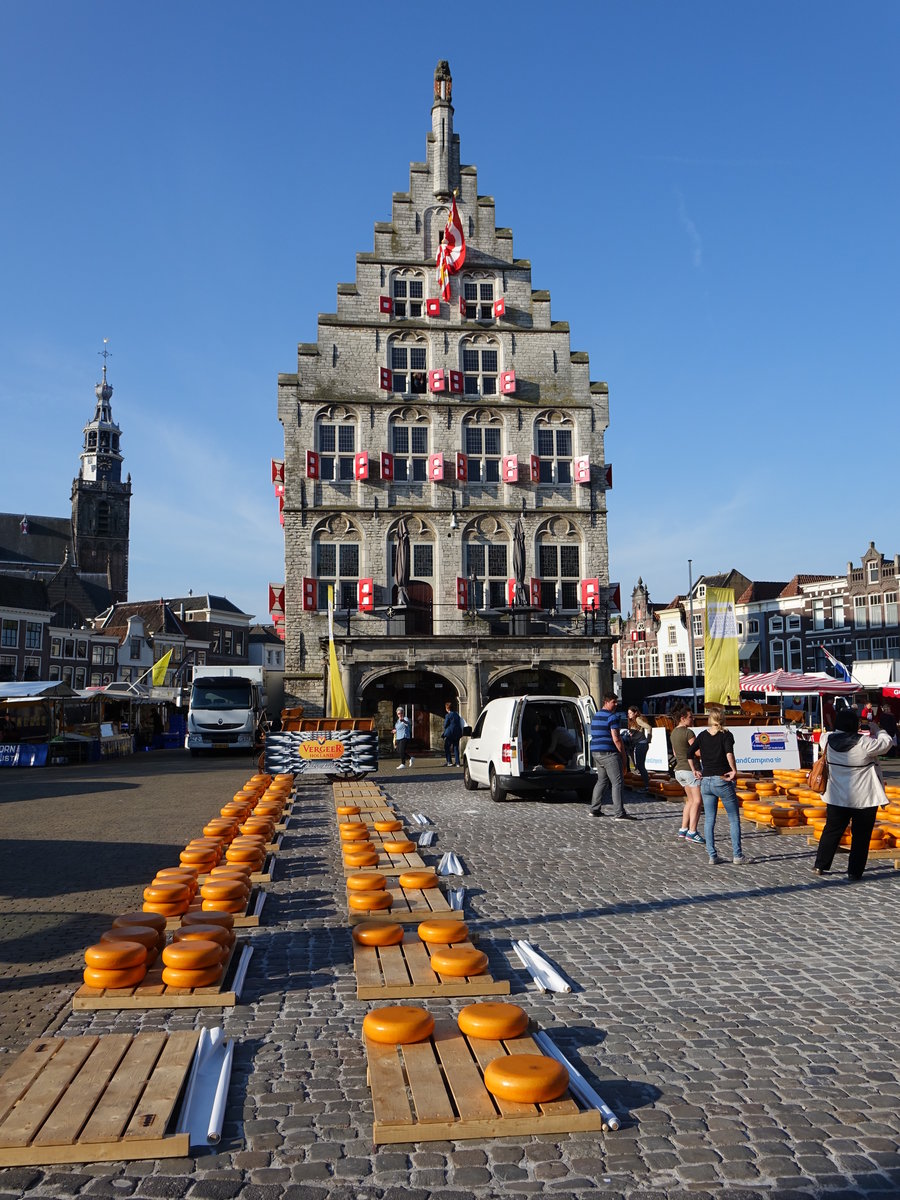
x,y
854,791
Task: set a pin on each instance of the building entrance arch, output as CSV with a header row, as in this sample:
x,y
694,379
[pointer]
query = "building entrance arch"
x,y
422,694
537,681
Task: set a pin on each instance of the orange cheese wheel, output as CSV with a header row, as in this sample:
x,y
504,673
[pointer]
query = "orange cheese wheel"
x,y
175,977
198,857
418,880
492,1021
228,906
199,917
114,979
140,918
191,955
167,910
115,956
366,881
348,810
369,901
243,854
238,871
224,889
204,933
459,961
442,932
398,1025
167,893
388,826
377,933
143,934
252,841
356,833
361,858
526,1078
182,874
402,847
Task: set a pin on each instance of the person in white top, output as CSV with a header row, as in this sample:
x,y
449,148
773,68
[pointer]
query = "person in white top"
x,y
855,789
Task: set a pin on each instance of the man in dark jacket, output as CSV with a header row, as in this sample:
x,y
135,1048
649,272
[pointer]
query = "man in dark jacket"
x,y
451,733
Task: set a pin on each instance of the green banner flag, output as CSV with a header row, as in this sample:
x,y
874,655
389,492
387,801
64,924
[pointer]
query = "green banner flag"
x,y
720,647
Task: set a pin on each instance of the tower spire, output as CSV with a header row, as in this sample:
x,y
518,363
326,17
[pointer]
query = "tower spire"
x,y
442,129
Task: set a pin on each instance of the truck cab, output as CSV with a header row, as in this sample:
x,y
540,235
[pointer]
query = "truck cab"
x,y
226,712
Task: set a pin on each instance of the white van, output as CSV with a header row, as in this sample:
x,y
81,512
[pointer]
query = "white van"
x,y
523,744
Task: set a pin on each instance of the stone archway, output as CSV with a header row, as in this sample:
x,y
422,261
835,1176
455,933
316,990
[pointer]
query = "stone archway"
x,y
421,693
534,681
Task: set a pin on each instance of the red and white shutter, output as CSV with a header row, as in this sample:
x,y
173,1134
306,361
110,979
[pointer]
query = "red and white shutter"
x,y
510,592
534,589
507,382
432,307
590,594
499,306
276,599
462,592
510,469
462,306
385,304
534,466
361,465
436,467
281,510
582,466
462,468
312,465
278,470
456,382
387,466
279,489
309,595
386,380
437,381
365,595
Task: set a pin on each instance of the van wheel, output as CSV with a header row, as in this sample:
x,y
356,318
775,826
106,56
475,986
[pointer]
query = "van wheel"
x,y
498,793
468,782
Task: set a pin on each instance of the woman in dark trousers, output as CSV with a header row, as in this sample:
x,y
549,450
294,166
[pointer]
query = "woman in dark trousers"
x,y
855,790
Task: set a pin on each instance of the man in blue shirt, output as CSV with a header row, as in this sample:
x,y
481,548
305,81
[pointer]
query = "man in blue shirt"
x,y
606,755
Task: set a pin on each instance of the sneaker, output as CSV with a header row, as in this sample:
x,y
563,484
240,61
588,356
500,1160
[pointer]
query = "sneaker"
x,y
739,860
697,838
400,767
411,761
682,833
817,870
715,861
626,817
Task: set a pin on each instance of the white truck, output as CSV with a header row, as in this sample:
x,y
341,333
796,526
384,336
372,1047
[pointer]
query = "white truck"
x,y
227,709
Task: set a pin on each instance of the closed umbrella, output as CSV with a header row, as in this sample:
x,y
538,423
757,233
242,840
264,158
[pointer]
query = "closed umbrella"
x,y
401,564
521,596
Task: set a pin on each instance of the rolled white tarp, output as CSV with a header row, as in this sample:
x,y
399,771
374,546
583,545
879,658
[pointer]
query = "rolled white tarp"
x,y
241,973
451,864
206,1094
577,1082
529,967
457,898
260,901
426,839
555,981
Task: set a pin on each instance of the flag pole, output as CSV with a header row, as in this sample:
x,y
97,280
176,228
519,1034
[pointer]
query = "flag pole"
x,y
691,635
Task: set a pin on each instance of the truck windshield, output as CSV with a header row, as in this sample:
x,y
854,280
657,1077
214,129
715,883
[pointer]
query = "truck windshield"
x,y
234,694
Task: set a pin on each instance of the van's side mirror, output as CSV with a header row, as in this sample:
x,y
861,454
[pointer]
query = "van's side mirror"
x,y
467,731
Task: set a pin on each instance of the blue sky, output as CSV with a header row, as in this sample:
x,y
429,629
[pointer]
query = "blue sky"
x,y
710,191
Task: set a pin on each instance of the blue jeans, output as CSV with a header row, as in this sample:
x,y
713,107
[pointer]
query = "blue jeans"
x,y
714,788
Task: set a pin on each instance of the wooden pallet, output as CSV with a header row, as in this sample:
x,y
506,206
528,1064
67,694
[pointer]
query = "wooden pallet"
x,y
244,920
399,972
151,992
390,864
94,1099
434,1091
409,906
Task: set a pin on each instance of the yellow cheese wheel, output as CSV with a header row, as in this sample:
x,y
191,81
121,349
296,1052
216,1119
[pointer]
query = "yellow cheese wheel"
x,y
182,874
228,906
115,955
418,880
459,961
401,847
192,955
199,858
398,1025
526,1078
369,901
387,826
442,932
224,919
225,889
355,833
167,893
204,933
348,810
143,934
239,871
361,858
492,1020
167,910
140,918
127,977
366,881
377,933
245,854
177,978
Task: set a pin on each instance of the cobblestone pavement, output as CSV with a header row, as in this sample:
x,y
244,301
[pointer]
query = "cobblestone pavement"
x,y
741,1020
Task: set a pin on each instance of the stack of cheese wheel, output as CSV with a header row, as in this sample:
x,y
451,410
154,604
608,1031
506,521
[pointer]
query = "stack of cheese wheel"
x,y
354,831
115,964
192,963
225,895
262,825
360,854
182,875
150,938
220,827
167,899
215,918
785,815
744,795
224,938
241,871
247,849
398,1025
370,899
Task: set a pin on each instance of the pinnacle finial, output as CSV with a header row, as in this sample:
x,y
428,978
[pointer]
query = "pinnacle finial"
x,y
443,81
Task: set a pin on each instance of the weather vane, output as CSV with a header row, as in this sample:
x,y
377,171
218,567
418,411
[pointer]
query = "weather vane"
x,y
104,353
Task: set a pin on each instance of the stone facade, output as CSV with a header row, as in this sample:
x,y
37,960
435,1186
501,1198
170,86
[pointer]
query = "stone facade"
x,y
511,391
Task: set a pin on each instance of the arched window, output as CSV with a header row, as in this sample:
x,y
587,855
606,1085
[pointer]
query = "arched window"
x,y
629,664
92,439
408,292
642,663
776,655
410,437
795,655
559,564
654,661
482,444
478,290
408,357
337,546
486,560
336,443
421,550
553,444
481,365
103,518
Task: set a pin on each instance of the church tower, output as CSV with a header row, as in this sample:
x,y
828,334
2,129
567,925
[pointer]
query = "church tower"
x,y
101,502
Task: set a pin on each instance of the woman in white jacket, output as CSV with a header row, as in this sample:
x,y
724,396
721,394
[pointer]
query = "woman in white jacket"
x,y
855,790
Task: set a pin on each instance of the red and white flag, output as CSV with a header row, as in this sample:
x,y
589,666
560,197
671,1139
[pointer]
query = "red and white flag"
x,y
452,251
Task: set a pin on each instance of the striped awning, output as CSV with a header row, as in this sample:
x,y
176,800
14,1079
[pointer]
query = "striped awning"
x,y
787,683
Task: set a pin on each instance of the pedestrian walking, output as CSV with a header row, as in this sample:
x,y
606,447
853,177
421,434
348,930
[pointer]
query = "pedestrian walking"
x,y
451,733
607,754
682,739
639,733
714,746
855,789
402,738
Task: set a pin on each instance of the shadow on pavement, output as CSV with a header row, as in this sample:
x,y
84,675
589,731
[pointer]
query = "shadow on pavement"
x,y
34,868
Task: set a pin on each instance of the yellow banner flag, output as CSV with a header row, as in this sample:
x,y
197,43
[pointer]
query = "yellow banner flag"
x,y
337,699
720,647
159,670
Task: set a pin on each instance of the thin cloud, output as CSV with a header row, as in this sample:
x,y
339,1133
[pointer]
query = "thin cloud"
x,y
692,231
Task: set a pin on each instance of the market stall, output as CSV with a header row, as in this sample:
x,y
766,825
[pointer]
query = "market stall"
x,y
32,721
